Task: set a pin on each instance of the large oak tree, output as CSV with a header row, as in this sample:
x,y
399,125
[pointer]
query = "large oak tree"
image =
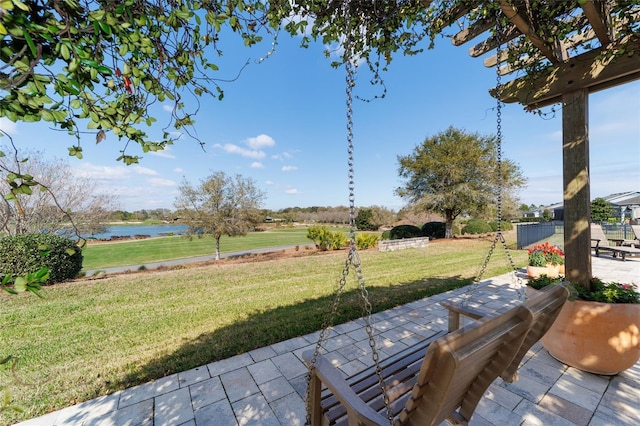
x,y
455,172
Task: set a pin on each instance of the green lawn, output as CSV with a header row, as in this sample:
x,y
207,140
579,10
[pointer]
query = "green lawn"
x,y
93,337
139,252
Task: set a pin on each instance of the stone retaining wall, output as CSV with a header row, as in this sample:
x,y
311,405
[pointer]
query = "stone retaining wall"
x,y
390,245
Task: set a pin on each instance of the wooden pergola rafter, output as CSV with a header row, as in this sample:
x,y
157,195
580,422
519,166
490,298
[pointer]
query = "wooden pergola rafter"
x,y
595,53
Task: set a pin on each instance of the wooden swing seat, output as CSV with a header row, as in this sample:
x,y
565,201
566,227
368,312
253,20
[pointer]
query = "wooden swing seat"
x,y
545,305
442,378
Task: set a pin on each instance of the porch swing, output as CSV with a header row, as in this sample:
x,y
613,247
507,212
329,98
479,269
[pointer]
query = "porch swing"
x,y
441,378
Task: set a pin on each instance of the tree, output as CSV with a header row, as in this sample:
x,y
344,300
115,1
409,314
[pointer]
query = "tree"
x,y
58,200
455,172
383,216
104,65
364,220
220,205
601,210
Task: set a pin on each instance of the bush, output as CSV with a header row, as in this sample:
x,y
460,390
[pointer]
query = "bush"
x,y
434,230
324,239
506,226
27,253
405,231
365,241
386,234
476,226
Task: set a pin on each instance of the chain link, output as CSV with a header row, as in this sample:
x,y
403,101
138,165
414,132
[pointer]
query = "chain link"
x,y
516,280
353,258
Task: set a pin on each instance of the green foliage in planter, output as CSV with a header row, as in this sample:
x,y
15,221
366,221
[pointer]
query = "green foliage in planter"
x,y
476,226
324,239
542,281
612,292
609,292
537,258
27,253
365,241
405,231
434,229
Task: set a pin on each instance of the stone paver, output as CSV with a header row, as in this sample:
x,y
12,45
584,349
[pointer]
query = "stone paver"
x,y
266,386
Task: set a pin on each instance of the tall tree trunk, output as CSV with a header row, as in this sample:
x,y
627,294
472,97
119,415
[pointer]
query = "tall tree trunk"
x,y
217,237
448,217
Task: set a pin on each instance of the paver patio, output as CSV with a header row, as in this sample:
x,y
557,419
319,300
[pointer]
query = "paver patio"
x,y
266,386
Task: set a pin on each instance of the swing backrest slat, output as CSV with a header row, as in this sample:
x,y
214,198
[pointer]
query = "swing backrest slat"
x,y
545,305
427,383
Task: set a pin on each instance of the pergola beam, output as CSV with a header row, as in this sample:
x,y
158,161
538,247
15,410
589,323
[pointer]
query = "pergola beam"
x,y
524,27
595,16
595,70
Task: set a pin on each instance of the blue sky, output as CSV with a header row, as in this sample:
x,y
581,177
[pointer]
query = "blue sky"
x,y
283,124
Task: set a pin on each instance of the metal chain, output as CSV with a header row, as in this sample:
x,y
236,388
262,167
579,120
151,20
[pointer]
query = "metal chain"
x,y
353,258
517,281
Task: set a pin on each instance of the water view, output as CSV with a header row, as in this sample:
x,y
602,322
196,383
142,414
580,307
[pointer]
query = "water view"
x,y
132,230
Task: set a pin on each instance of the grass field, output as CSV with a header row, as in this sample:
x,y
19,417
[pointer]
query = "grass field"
x,y
139,252
92,337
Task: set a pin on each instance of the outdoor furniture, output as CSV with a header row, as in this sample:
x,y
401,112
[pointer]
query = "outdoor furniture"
x,y
599,242
545,306
422,389
636,233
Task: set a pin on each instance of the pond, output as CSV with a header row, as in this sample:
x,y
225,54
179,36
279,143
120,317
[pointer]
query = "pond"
x,y
132,230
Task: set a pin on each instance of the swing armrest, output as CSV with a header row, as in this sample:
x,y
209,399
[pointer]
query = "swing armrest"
x,y
336,383
457,309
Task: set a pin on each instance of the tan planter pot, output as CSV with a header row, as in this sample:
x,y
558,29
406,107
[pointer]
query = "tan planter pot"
x,y
549,270
601,338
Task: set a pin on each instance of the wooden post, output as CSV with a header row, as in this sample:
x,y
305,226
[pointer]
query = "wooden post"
x,y
577,201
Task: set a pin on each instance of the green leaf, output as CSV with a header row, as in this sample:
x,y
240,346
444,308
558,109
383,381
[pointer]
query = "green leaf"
x,y
104,70
30,43
20,284
21,5
64,51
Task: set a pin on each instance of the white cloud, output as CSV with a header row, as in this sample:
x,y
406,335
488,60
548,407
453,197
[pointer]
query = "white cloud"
x,y
167,107
134,187
8,126
260,141
235,149
165,153
160,182
269,182
257,165
282,156
291,191
144,171
178,170
289,168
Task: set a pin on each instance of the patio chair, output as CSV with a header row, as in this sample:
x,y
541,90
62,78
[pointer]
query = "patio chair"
x,y
636,234
599,242
545,305
446,382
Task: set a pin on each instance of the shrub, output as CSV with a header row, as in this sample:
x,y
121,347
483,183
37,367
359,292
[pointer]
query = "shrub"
x,y
364,220
476,226
386,234
405,231
324,239
365,241
434,229
27,253
506,226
